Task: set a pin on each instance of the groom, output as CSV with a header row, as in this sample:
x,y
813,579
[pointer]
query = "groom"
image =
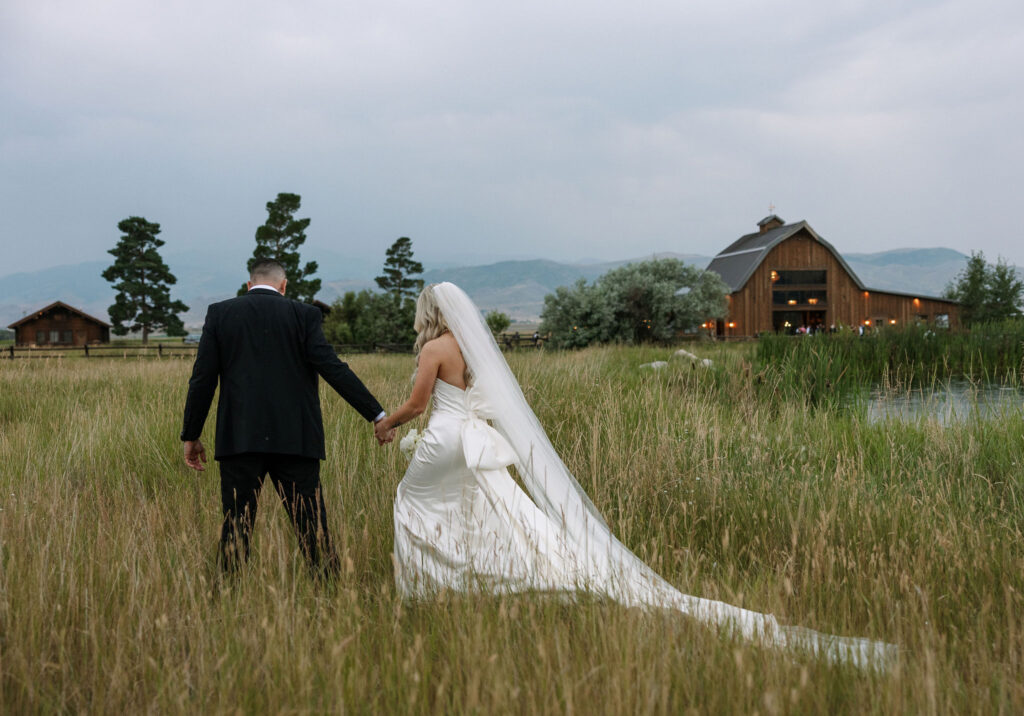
x,y
267,351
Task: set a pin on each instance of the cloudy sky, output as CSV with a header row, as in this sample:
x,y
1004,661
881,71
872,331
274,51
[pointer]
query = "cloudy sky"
x,y
565,130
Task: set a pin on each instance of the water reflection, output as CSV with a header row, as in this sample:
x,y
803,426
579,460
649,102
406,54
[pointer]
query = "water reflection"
x,y
947,404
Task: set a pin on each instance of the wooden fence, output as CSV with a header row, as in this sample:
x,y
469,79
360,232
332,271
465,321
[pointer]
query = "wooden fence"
x,y
164,350
510,341
507,341
99,350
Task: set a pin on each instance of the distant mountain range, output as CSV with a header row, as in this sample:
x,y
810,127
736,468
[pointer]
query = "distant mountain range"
x,y
515,287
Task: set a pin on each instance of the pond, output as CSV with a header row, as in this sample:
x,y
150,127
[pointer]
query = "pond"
x,y
947,403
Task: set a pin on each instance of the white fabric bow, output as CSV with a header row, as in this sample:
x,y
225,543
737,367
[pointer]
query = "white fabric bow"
x,y
483,446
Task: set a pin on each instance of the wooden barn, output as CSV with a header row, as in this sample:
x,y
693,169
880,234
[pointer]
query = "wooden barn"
x,y
785,278
60,325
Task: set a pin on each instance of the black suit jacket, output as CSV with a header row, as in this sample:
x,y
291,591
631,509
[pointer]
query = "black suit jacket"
x,y
267,351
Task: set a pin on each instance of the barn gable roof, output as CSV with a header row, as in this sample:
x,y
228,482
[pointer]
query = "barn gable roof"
x,y
741,258
737,263
57,304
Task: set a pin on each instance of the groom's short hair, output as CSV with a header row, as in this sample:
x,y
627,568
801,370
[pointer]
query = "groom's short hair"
x,y
267,270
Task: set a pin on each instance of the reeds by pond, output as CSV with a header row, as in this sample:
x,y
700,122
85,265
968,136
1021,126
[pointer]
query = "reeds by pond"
x,y
825,367
110,602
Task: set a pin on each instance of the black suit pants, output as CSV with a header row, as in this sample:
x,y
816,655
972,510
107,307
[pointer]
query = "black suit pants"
x,y
297,482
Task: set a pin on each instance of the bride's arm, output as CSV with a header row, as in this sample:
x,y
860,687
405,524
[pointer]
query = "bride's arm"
x,y
426,373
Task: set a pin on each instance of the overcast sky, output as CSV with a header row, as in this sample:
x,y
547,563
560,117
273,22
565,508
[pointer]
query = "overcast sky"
x,y
484,131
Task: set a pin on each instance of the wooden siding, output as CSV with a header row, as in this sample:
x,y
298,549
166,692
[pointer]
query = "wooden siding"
x,y
82,330
751,309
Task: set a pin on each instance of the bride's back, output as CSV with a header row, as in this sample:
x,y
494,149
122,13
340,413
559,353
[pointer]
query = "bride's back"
x,y
452,367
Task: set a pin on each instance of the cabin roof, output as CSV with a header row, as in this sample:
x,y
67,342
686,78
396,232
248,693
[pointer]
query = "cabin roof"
x,y
52,306
738,261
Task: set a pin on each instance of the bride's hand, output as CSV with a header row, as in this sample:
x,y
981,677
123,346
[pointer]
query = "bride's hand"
x,y
383,433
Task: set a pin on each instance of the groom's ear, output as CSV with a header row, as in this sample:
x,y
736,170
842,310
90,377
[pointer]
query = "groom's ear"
x,y
283,286
248,285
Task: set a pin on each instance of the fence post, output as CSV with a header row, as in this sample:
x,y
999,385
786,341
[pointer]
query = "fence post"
x,y
86,347
160,349
12,351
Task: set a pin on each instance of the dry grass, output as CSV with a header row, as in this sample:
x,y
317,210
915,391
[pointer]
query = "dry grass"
x,y
109,600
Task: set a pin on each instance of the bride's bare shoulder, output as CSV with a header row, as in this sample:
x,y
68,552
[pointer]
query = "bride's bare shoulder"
x,y
443,343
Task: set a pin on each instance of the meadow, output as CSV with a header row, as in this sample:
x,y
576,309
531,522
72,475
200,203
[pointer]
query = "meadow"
x,y
726,482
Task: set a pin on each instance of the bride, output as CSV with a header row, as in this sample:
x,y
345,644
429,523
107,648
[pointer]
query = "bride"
x,y
463,523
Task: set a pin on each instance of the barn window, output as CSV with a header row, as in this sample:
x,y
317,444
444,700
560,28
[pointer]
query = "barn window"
x,y
942,320
793,298
800,278
54,336
67,337
40,337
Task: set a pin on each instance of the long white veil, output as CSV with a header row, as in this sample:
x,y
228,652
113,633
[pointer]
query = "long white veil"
x,y
602,564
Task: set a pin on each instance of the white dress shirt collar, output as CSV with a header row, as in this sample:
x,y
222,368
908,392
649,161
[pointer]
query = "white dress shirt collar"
x,y
263,285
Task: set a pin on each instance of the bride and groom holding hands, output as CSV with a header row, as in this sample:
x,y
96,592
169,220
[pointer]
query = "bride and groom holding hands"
x,y
461,520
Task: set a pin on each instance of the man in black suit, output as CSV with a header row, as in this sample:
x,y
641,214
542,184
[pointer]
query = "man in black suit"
x,y
267,351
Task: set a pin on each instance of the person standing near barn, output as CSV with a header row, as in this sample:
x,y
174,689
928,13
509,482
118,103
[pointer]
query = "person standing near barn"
x,y
267,352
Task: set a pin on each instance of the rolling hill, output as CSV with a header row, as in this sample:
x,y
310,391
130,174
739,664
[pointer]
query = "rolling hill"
x,y
515,287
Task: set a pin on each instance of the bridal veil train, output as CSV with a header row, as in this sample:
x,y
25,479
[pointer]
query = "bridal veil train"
x,y
463,523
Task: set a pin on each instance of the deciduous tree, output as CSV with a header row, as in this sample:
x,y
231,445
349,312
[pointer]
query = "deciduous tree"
x,y
498,322
636,303
987,292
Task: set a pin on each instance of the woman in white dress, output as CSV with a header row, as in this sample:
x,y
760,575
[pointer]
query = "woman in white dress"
x,y
463,523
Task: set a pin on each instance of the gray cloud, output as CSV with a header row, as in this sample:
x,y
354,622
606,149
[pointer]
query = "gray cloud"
x,y
487,130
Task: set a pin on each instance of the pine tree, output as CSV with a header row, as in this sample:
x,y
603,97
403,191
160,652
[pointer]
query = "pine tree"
x,y
399,268
279,239
142,281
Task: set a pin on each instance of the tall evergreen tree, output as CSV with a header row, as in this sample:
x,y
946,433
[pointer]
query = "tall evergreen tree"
x,y
142,281
399,269
279,239
388,317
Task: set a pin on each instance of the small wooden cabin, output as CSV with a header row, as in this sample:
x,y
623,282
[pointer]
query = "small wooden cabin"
x,y
60,325
786,277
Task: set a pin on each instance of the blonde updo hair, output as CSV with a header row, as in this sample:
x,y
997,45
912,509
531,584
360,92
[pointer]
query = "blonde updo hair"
x,y
429,322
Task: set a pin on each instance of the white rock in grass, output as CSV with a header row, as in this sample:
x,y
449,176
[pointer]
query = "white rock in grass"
x,y
683,353
656,365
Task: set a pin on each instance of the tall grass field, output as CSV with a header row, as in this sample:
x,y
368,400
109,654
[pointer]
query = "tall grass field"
x,y
110,600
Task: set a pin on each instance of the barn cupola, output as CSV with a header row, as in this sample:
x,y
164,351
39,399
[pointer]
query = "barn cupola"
x,y
770,222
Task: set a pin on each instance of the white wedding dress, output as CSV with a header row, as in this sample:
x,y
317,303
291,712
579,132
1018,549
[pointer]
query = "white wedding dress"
x,y
463,523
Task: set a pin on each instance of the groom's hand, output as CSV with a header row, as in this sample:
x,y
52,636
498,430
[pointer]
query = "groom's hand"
x,y
194,453
383,434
